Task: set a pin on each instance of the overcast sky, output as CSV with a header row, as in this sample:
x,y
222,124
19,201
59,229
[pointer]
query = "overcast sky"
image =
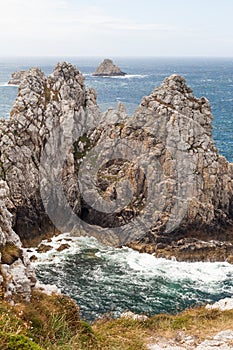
x,y
116,28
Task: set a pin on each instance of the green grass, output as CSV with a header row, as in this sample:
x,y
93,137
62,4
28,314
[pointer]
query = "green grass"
x,y
53,323
87,146
17,342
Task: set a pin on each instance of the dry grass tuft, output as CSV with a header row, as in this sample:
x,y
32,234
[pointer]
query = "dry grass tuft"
x,y
53,323
10,253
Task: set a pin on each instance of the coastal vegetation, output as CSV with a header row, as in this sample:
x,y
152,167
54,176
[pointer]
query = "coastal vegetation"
x,y
54,323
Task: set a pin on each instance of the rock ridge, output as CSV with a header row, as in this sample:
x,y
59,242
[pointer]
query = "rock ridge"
x,y
182,190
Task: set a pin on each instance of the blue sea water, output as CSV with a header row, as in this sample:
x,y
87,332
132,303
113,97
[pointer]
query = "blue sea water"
x,y
104,279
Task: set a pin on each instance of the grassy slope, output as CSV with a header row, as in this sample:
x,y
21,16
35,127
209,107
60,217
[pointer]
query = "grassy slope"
x,y
53,322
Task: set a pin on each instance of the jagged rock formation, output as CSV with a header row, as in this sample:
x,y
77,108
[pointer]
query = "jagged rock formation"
x,y
108,68
17,77
154,181
183,206
206,210
42,105
17,276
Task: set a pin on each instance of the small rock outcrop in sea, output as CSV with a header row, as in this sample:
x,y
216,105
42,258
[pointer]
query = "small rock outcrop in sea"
x,y
17,77
160,185
108,68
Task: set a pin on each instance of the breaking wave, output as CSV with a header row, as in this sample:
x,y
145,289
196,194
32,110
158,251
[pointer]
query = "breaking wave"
x,y
105,279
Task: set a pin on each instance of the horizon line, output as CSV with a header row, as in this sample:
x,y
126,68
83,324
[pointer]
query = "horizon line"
x,y
104,56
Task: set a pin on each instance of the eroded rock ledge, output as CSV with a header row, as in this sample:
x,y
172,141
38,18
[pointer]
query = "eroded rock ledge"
x,y
182,189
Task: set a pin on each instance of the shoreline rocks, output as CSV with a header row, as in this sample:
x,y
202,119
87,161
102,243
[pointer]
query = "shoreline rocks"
x,y
186,249
108,68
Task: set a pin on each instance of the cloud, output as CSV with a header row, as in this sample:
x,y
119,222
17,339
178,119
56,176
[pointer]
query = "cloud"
x,y
68,27
141,27
43,18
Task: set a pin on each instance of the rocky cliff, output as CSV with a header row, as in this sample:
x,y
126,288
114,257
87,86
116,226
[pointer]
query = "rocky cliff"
x,y
154,181
182,189
43,105
108,68
17,277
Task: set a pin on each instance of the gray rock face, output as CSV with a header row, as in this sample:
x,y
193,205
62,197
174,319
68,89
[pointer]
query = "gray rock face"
x,y
17,276
108,68
42,106
154,181
182,189
201,205
17,77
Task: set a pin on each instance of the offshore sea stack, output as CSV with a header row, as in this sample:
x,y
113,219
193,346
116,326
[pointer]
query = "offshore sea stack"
x,y
108,68
159,186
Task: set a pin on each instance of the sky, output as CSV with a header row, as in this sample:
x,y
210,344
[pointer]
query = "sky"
x,y
110,28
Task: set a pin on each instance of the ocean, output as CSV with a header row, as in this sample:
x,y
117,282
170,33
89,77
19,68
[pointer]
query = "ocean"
x,y
108,280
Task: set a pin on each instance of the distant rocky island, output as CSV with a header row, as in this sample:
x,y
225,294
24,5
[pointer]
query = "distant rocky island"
x,y
108,68
17,77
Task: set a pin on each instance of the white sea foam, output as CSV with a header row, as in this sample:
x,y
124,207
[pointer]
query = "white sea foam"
x,y
203,274
127,76
7,85
53,256
124,277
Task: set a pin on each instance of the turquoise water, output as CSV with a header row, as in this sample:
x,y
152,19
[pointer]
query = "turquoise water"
x,y
103,279
109,280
